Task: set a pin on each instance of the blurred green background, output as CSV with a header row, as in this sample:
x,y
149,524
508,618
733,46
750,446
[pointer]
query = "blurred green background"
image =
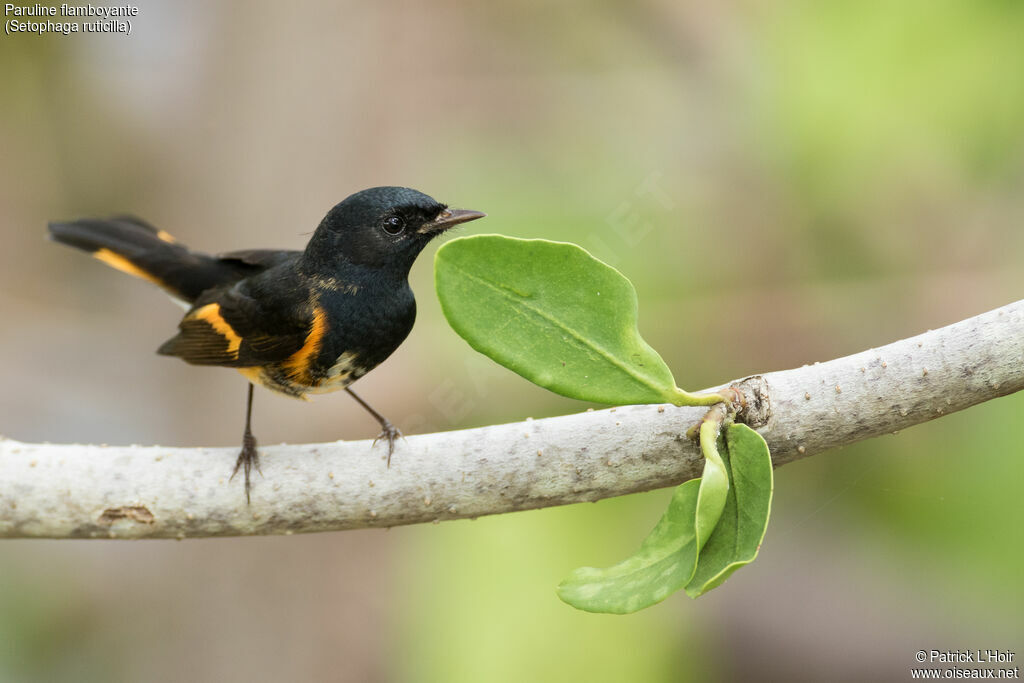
x,y
833,175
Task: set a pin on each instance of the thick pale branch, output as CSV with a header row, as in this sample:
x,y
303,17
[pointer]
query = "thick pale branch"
x,y
72,491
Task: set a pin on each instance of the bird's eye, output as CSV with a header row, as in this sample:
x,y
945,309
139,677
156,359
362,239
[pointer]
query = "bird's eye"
x,y
393,225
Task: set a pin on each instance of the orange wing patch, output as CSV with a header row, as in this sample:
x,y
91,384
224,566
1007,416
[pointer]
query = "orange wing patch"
x,y
165,236
298,364
210,314
124,265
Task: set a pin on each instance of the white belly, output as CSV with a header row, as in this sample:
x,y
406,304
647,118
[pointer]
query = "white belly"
x,y
340,375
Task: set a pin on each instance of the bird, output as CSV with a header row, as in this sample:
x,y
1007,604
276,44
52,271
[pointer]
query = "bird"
x,y
295,322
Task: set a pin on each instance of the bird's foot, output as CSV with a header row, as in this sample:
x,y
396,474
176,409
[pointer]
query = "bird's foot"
x,y
391,433
248,458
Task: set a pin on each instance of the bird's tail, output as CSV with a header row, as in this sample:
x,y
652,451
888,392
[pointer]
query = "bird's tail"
x,y
137,248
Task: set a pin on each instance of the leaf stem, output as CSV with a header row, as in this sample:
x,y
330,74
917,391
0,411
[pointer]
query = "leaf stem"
x,y
732,398
681,397
711,426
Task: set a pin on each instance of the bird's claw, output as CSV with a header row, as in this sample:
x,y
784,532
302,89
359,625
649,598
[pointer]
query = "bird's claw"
x,y
248,458
391,433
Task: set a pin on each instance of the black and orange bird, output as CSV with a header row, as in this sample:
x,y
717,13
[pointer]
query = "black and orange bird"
x,y
296,322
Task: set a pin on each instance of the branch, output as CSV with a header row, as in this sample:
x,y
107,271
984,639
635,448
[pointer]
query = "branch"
x,y
73,491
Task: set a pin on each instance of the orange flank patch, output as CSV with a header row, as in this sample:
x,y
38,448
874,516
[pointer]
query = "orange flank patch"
x,y
124,265
165,236
210,313
298,363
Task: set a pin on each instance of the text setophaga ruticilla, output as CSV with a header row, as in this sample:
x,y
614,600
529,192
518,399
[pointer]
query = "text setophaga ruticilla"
x,y
297,322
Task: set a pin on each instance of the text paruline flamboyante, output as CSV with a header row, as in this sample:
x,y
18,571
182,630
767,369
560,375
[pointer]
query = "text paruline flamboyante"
x,y
66,10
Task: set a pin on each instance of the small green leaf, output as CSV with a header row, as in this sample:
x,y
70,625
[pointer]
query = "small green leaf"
x,y
668,556
740,530
554,314
664,563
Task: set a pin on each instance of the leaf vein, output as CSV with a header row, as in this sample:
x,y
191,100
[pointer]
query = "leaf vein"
x,y
557,323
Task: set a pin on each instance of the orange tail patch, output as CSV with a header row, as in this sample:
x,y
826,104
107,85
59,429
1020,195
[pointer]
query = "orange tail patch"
x,y
119,262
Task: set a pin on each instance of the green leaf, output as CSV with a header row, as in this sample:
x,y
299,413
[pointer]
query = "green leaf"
x,y
737,536
664,563
668,556
554,314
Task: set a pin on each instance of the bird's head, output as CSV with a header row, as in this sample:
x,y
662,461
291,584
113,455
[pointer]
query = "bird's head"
x,y
382,227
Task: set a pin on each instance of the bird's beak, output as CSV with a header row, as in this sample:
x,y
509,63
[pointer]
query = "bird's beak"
x,y
450,218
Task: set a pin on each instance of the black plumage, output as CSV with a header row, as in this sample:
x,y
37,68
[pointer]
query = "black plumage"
x,y
296,322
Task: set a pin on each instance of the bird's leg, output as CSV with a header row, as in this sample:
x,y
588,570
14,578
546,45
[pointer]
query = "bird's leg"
x,y
388,430
249,457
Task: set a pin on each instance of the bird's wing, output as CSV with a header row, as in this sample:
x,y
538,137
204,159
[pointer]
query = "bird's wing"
x,y
232,329
264,258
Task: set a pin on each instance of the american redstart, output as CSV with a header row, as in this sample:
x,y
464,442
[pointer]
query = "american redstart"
x,y
296,322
